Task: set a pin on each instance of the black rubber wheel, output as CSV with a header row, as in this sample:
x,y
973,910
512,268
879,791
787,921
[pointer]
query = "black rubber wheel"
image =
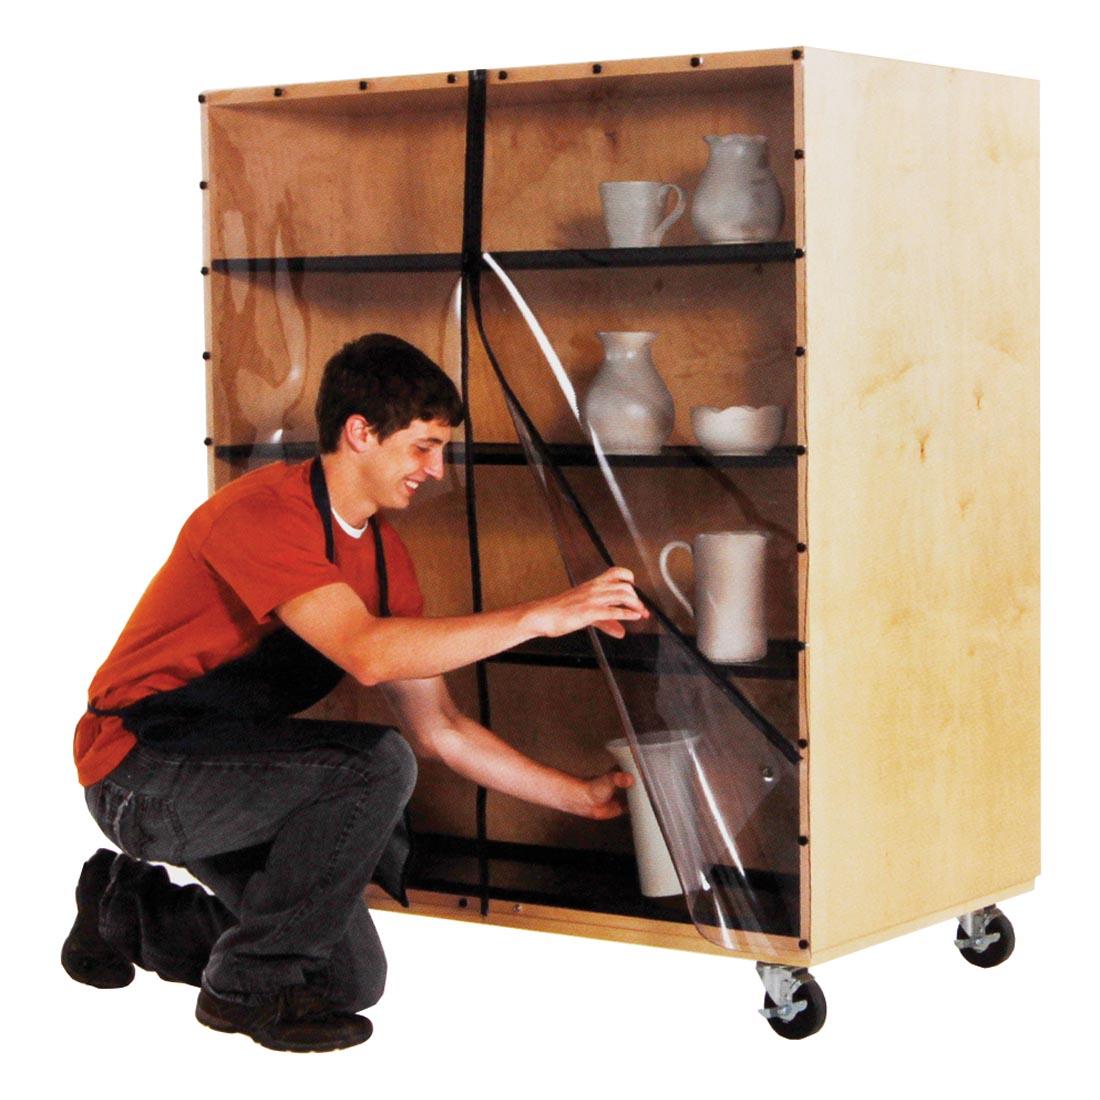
x,y
996,952
809,1021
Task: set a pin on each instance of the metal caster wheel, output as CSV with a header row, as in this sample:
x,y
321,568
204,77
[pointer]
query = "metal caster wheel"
x,y
985,938
794,1005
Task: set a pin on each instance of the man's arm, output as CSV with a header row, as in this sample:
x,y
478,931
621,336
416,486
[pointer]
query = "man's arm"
x,y
335,621
439,730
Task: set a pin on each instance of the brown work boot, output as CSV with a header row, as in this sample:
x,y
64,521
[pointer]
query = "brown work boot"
x,y
86,956
293,1020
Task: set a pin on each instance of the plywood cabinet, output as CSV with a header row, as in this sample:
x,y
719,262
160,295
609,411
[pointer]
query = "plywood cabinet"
x,y
894,319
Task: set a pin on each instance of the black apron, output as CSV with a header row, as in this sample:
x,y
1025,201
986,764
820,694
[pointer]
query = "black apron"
x,y
244,705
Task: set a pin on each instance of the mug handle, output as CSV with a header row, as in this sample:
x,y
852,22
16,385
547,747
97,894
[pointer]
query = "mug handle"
x,y
676,544
677,211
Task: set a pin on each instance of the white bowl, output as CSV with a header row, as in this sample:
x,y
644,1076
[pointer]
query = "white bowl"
x,y
738,430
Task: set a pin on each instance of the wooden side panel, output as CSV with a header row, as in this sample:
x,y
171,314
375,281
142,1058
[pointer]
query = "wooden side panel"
x,y
921,222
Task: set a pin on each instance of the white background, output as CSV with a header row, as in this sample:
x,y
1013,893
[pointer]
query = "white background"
x,y
101,247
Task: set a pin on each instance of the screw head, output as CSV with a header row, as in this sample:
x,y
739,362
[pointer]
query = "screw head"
x,y
803,841
202,99
451,78
803,944
503,74
597,68
696,62
803,743
363,85
278,91
203,185
207,442
767,774
206,355
205,271
796,55
800,154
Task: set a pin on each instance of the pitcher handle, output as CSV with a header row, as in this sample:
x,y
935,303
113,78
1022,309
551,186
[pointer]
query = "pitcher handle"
x,y
677,210
676,544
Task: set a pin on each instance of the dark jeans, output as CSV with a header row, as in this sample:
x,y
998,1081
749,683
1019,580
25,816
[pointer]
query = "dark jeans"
x,y
286,840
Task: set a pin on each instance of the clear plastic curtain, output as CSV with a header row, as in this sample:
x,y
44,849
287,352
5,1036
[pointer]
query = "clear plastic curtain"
x,y
720,777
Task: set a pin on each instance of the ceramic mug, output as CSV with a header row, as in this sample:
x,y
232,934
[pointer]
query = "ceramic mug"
x,y
729,593
632,211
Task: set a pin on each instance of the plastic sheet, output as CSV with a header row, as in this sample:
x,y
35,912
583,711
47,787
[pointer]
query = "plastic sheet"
x,y
720,774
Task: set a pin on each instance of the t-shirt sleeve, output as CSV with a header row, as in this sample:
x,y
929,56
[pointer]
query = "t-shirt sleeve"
x,y
406,599
268,552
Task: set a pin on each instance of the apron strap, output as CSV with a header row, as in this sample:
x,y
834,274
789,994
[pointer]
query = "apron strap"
x,y
324,507
380,561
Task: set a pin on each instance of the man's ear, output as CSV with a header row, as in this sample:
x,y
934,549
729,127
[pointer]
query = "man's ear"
x,y
359,434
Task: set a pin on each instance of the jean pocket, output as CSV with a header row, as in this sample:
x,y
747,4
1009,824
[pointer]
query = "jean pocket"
x,y
142,825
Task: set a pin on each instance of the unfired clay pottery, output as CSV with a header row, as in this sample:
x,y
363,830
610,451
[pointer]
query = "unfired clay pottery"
x,y
669,760
729,593
628,409
737,430
738,200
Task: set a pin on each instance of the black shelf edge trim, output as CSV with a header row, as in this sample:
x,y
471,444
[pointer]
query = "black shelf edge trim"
x,y
544,259
661,256
640,653
350,265
564,454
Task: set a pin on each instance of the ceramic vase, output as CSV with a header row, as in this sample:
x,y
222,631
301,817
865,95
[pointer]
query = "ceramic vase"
x,y
738,200
628,409
669,760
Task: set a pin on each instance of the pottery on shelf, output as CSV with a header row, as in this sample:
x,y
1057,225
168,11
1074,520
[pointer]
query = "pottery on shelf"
x,y
669,759
738,430
738,200
628,409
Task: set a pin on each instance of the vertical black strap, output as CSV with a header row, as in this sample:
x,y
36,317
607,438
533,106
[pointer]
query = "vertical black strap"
x,y
380,567
471,266
323,505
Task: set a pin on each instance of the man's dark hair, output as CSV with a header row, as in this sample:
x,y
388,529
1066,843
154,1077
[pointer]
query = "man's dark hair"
x,y
389,383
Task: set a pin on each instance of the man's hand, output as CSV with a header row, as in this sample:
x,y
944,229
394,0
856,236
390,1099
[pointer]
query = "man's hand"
x,y
600,602
602,796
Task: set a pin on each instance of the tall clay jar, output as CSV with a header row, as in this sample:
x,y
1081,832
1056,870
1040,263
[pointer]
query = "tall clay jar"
x,y
738,200
628,409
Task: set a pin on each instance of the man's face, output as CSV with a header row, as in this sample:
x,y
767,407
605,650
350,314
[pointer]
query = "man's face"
x,y
396,468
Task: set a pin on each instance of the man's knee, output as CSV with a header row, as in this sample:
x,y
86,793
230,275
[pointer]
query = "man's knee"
x,y
397,758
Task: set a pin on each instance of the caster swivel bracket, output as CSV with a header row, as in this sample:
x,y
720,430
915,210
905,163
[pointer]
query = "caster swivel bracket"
x,y
975,928
781,984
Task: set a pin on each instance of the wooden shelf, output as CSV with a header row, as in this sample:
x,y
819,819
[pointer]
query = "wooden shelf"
x,y
640,653
511,454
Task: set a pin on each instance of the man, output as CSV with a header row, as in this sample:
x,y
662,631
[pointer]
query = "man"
x,y
277,586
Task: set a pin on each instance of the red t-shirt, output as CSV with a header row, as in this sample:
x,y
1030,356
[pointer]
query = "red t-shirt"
x,y
252,546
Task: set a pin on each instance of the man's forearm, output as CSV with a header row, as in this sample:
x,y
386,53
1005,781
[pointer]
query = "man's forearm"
x,y
478,754
414,648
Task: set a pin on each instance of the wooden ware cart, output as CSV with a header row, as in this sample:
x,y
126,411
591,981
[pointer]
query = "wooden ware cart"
x,y
895,319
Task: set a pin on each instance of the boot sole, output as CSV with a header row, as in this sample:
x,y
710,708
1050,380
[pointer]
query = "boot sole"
x,y
271,1043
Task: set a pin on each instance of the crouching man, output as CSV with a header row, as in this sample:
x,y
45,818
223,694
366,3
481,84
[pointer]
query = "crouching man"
x,y
280,584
